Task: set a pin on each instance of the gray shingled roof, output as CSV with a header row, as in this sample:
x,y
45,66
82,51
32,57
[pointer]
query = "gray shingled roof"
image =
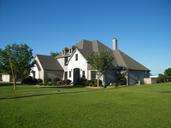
x,y
126,61
86,47
49,62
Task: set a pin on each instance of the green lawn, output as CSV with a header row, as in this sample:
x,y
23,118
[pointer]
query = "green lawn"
x,y
126,107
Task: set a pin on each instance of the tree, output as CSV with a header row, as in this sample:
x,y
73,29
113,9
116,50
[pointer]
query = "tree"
x,y
167,72
161,78
16,59
54,54
166,77
100,61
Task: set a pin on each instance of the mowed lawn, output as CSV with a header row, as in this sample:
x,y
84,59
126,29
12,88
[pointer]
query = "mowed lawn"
x,y
126,107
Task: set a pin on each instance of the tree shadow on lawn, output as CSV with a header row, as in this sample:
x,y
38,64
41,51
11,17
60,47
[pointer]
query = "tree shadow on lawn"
x,y
46,94
68,87
165,91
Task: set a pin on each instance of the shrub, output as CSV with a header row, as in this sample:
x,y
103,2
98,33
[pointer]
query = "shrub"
x,y
66,82
39,81
59,82
29,80
48,81
93,83
83,81
55,81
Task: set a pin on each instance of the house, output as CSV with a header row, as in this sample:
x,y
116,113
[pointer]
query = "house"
x,y
72,64
5,78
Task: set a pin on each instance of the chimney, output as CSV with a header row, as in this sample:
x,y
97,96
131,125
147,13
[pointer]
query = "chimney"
x,y
114,44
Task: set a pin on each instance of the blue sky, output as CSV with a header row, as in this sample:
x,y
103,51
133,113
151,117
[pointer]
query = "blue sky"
x,y
143,27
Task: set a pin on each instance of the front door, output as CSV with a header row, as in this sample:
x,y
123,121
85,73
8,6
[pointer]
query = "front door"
x,y
76,76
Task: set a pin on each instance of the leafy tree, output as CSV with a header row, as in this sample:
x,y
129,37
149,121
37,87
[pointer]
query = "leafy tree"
x,y
167,72
15,59
166,77
100,61
54,54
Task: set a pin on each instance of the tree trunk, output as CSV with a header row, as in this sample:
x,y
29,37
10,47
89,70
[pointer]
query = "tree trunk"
x,y
13,75
14,82
98,79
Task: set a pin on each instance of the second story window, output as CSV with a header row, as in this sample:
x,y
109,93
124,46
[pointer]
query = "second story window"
x,y
76,57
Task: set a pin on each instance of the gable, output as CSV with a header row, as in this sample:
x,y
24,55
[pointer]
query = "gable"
x,y
81,58
37,65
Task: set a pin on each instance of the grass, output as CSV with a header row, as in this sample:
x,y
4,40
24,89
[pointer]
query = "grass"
x,y
127,107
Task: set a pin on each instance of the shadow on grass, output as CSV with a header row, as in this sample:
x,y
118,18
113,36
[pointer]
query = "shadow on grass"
x,y
46,94
165,91
68,87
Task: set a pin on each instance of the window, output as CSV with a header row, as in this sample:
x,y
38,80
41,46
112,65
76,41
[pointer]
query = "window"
x,y
76,57
93,75
70,50
66,60
34,74
83,75
69,73
65,77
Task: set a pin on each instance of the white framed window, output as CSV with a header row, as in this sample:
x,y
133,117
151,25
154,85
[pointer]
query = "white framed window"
x,y
76,57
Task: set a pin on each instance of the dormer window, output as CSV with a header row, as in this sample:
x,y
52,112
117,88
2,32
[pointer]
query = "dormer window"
x,y
70,50
76,57
66,60
65,51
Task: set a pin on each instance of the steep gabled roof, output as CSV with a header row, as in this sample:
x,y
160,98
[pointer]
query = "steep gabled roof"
x,y
87,47
49,62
